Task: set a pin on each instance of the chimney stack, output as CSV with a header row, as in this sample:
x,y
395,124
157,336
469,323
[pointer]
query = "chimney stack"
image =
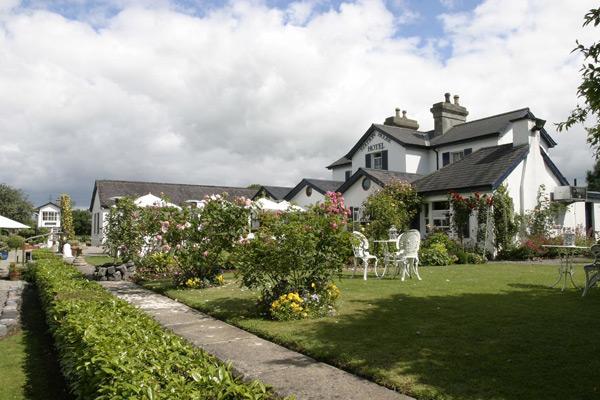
x,y
401,121
446,114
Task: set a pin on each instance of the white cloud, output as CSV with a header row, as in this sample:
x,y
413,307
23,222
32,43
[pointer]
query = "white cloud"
x,y
248,93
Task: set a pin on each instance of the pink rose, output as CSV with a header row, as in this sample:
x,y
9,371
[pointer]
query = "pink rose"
x,y
205,254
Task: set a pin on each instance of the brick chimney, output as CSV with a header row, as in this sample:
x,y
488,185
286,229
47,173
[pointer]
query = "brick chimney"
x,y
446,115
401,121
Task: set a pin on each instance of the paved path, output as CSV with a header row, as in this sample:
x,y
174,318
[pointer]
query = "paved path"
x,y
10,304
288,372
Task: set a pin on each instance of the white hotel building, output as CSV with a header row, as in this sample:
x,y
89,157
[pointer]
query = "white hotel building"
x,y
509,149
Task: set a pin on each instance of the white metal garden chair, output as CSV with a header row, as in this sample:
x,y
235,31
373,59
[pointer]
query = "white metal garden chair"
x,y
592,271
360,247
407,257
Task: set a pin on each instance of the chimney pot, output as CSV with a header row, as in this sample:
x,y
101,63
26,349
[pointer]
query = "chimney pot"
x,y
456,100
403,113
397,112
447,96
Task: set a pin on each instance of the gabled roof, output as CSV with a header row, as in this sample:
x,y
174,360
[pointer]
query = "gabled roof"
x,y
554,168
320,185
403,136
276,192
488,126
177,193
50,203
340,163
484,169
379,176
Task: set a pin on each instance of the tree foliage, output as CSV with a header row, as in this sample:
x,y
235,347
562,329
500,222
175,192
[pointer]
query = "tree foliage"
x,y
66,217
593,178
82,222
396,204
14,204
589,89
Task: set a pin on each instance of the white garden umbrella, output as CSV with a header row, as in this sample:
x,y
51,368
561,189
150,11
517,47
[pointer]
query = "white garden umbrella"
x,y
270,205
150,200
7,223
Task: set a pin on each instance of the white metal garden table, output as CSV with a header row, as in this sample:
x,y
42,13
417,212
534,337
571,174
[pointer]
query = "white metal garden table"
x,y
565,271
388,255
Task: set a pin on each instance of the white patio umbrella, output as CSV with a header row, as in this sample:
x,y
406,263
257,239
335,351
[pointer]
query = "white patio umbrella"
x,y
7,223
270,205
149,200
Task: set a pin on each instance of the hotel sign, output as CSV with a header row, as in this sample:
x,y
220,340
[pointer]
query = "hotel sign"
x,y
374,147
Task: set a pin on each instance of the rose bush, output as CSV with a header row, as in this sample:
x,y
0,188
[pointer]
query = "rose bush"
x,y
294,257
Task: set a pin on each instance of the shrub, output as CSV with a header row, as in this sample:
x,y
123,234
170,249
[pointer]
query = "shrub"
x,y
435,255
294,255
396,204
108,349
43,254
465,257
15,241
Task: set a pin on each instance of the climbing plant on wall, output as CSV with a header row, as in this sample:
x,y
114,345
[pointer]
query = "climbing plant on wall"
x,y
505,227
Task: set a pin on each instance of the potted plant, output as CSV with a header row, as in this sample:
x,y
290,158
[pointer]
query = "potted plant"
x,y
14,272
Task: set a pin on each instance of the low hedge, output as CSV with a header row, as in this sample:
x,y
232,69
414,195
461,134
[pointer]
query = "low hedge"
x,y
108,349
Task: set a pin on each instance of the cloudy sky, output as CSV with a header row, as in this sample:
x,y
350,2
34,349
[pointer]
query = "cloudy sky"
x,y
262,91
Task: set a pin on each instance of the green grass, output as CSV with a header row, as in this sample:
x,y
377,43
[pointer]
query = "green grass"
x,y
98,260
493,331
28,366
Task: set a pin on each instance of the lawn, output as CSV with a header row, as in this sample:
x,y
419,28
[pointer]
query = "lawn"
x,y
98,260
28,366
494,331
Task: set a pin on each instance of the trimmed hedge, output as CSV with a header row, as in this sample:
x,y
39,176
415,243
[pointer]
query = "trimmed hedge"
x,y
108,349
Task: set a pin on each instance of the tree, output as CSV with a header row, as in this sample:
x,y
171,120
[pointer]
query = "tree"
x,y
66,217
593,178
82,222
589,89
15,205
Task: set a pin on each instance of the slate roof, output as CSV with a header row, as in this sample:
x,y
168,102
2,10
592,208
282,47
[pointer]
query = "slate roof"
x,y
484,169
48,203
320,185
276,192
488,126
339,163
379,176
470,130
177,193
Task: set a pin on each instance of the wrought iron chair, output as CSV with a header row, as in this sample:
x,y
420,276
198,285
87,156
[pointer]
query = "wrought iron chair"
x,y
360,247
407,257
592,271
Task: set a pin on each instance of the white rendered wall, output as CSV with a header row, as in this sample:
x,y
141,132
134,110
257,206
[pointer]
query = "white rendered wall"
x,y
396,153
98,238
418,161
355,195
339,174
303,200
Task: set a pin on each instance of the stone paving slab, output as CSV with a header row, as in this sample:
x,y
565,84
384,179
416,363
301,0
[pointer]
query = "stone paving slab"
x,y
10,302
288,372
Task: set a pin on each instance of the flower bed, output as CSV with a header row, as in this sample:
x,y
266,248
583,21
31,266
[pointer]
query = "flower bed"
x,y
111,350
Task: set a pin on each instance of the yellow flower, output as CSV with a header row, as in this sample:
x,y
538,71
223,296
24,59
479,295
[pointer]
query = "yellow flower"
x,y
313,285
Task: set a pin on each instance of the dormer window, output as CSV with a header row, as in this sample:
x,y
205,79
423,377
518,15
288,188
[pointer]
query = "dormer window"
x,y
454,156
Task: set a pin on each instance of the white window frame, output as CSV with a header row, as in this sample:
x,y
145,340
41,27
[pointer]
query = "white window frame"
x,y
378,159
456,156
49,216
